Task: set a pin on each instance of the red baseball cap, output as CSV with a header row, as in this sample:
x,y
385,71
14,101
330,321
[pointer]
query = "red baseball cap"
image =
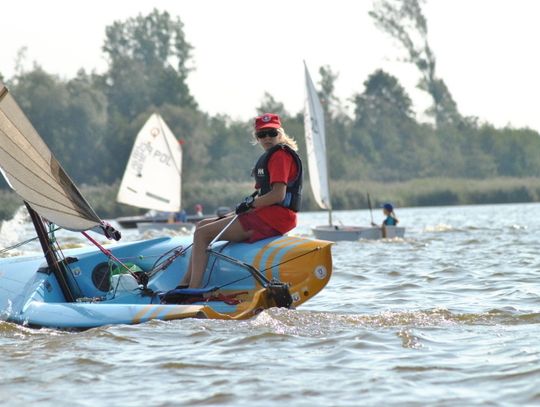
x,y
267,121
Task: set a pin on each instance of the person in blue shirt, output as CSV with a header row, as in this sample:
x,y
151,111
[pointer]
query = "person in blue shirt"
x,y
180,216
391,219
175,217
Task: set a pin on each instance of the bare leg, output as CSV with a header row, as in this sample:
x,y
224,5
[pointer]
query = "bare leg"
x,y
187,276
202,238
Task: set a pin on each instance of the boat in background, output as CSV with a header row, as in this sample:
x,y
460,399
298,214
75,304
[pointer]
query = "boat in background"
x,y
152,216
337,233
314,126
137,281
157,217
153,176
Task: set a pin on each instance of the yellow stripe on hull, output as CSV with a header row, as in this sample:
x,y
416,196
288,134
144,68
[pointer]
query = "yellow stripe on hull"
x,y
306,274
306,268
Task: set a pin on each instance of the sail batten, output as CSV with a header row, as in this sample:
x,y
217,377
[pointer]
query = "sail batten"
x,y
152,179
22,139
24,150
316,144
34,173
34,197
32,184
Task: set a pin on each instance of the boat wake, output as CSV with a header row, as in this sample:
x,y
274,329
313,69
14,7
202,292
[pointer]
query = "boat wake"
x,y
13,231
445,228
389,240
314,323
321,329
440,228
17,331
153,233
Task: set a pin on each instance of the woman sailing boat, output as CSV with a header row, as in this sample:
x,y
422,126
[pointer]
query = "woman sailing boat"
x,y
271,211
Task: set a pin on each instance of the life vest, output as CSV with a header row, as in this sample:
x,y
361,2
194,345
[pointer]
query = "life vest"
x,y
390,221
293,195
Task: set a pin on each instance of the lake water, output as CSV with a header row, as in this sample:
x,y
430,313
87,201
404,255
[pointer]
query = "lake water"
x,y
449,316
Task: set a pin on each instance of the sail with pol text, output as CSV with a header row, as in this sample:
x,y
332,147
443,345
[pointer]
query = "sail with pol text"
x,y
34,173
152,178
316,145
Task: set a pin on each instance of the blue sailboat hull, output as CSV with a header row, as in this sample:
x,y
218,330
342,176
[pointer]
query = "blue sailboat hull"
x,y
30,293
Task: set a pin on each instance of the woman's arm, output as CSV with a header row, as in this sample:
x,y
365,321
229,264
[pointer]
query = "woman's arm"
x,y
275,196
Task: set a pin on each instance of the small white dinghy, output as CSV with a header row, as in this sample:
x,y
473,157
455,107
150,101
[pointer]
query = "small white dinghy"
x,y
318,175
153,175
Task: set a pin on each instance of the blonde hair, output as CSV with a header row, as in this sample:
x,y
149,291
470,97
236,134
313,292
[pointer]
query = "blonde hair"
x,y
285,139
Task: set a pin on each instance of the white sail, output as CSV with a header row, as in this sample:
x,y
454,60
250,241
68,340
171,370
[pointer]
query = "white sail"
x,y
153,173
34,173
316,145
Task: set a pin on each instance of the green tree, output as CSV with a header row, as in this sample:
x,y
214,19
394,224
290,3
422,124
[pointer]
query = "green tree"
x,y
270,105
329,100
148,60
232,143
383,97
70,116
391,145
404,21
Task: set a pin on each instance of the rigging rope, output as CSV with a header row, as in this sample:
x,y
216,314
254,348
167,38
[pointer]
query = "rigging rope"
x,y
108,253
54,242
17,245
177,252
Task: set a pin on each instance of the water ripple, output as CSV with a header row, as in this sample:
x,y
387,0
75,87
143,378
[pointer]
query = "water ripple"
x,y
448,316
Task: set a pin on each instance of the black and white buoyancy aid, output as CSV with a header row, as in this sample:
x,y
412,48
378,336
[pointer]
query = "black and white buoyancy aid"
x,y
293,195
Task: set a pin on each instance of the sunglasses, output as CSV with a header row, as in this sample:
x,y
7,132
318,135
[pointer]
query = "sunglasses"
x,y
267,133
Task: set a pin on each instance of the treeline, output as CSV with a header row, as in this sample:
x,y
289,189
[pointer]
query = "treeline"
x,y
90,121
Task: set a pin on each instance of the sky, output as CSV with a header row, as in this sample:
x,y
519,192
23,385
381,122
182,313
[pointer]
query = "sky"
x,y
486,50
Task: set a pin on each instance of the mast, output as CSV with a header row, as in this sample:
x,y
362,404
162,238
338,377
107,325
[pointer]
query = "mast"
x,y
50,254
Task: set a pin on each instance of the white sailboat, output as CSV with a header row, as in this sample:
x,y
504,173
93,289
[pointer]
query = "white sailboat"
x,y
153,175
318,175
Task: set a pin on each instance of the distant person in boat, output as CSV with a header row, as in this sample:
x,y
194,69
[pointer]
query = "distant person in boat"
x,y
198,210
177,217
391,219
271,211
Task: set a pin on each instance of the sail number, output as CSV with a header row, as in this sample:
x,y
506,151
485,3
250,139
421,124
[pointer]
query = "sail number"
x,y
142,151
